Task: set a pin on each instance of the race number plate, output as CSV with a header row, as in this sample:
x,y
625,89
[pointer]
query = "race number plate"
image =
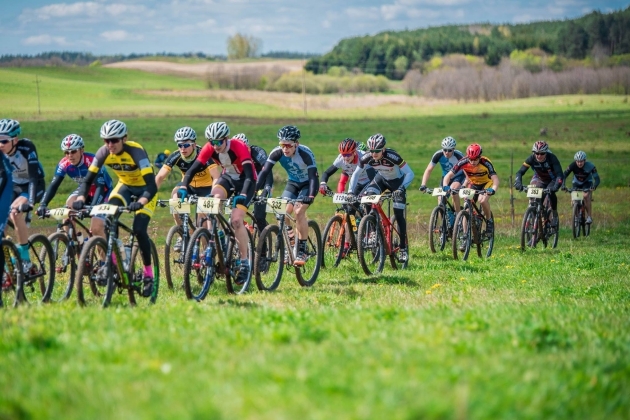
x,y
341,198
437,192
60,213
177,207
277,205
227,210
103,209
577,195
370,199
209,205
467,193
534,192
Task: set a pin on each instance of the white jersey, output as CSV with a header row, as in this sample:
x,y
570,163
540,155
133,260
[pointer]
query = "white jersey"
x,y
349,168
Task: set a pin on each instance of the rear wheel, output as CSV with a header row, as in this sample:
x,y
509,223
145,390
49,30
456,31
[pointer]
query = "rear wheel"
x,y
371,245
576,225
233,260
174,256
462,235
37,285
136,273
199,271
269,261
485,238
438,229
307,274
11,274
65,266
333,242
529,229
586,226
90,280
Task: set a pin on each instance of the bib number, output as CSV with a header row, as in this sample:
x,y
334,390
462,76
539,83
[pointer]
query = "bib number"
x,y
108,209
467,193
577,195
341,198
277,205
209,205
60,213
534,191
177,207
438,192
370,199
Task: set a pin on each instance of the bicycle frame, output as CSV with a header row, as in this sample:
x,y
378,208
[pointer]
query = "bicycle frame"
x,y
388,228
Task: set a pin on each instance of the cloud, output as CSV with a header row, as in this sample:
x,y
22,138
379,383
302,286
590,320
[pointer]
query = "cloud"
x,y
120,35
90,10
45,40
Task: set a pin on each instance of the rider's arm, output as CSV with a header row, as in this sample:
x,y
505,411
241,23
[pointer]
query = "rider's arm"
x,y
343,181
557,171
568,171
162,175
521,172
273,157
93,170
408,173
328,173
249,171
313,177
595,178
150,189
359,171
199,164
495,181
52,189
427,173
33,172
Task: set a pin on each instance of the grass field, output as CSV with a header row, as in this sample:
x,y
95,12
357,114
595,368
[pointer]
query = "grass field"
x,y
541,334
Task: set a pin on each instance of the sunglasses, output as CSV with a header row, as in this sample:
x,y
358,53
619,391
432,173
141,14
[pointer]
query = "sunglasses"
x,y
5,141
376,150
71,152
112,141
447,150
217,142
540,154
347,154
286,145
184,145
475,160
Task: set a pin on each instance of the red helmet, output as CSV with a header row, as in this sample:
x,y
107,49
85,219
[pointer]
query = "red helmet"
x,y
473,151
347,146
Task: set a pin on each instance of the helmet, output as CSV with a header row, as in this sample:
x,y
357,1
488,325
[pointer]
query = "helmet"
x,y
242,137
289,133
167,152
449,143
540,147
113,129
347,146
362,147
217,131
72,142
9,127
474,151
376,142
185,133
580,156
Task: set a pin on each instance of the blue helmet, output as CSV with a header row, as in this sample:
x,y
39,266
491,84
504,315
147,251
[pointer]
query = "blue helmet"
x,y
9,127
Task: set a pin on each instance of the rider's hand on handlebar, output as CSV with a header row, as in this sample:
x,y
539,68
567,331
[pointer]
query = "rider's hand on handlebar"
x,y
446,188
41,211
518,185
324,189
135,206
308,200
490,191
422,188
78,205
25,207
182,193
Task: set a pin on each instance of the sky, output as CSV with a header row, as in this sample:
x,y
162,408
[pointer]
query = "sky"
x,y
315,26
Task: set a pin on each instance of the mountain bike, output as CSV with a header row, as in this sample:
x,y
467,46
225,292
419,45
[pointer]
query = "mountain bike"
x,y
378,236
214,252
441,221
471,226
538,220
11,273
66,248
108,265
579,224
275,249
338,226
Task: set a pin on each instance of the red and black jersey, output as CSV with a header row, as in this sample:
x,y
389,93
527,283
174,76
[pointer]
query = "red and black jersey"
x,y
231,160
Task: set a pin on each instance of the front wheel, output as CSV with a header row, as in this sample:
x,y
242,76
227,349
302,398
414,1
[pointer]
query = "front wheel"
x,y
307,274
438,230
553,228
232,262
199,265
174,252
269,261
371,245
38,283
462,235
91,278
529,229
65,266
11,273
577,220
333,241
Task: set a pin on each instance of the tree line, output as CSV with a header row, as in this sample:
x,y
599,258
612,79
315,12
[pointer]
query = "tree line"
x,y
392,54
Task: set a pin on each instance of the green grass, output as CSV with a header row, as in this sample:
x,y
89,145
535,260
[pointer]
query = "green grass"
x,y
540,334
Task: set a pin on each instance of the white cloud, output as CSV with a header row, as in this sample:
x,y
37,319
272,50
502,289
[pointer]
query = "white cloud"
x,y
120,35
45,40
80,10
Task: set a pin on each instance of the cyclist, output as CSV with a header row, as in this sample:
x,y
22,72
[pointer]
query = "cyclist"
x,y
28,182
585,176
480,174
393,174
183,158
299,162
75,164
547,174
259,157
132,165
347,161
6,192
447,157
238,179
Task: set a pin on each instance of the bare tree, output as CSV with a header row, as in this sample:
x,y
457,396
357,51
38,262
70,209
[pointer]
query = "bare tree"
x,y
243,46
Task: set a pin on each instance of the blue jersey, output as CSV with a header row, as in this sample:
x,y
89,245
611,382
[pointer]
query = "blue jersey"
x,y
446,163
297,166
79,172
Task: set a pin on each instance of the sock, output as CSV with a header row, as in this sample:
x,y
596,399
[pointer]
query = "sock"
x,y
24,252
245,262
148,271
302,245
114,258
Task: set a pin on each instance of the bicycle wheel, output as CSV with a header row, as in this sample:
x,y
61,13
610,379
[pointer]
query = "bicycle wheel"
x,y
90,280
394,240
552,233
199,265
529,229
586,227
269,260
174,258
462,235
136,274
485,238
307,274
577,216
438,229
39,282
11,274
65,266
333,241
371,245
233,261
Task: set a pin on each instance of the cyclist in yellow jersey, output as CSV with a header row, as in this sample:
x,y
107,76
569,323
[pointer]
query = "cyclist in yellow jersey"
x,y
132,165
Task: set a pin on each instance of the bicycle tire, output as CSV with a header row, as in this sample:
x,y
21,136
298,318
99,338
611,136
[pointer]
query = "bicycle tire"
x,y
586,226
438,229
136,274
529,229
371,244
175,266
333,241
87,275
576,225
41,255
462,235
11,273
554,233
307,274
65,266
269,251
199,278
484,238
234,255
394,240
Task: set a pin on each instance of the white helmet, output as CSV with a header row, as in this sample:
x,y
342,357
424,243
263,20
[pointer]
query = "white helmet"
x,y
185,133
217,131
72,142
242,137
10,128
449,143
580,156
113,129
376,142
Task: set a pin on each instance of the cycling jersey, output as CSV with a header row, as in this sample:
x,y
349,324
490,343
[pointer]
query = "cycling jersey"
x,y
202,178
27,170
582,176
298,165
6,190
232,160
446,163
77,173
480,174
547,171
390,166
259,157
347,168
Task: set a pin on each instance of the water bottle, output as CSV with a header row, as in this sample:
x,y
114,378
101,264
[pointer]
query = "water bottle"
x,y
127,255
353,222
222,242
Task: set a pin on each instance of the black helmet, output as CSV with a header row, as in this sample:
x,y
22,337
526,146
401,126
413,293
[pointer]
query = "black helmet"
x,y
289,133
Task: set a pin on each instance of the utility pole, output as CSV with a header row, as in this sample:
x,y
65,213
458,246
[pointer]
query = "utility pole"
x,y
304,89
39,109
512,187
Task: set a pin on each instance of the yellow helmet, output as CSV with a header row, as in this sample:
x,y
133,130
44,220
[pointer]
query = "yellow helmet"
x,y
167,152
